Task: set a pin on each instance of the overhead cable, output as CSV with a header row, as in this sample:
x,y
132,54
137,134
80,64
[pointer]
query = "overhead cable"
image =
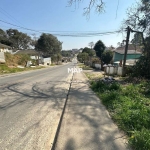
x,y
88,34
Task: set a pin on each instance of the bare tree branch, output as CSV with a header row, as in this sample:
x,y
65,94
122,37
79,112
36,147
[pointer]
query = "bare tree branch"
x,y
98,4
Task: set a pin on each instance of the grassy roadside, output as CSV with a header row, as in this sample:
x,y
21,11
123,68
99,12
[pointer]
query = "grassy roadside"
x,y
84,67
129,106
4,69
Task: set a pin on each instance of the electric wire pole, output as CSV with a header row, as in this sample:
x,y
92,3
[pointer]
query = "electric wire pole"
x,y
126,50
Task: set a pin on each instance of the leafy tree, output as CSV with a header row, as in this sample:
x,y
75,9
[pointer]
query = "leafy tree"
x,y
66,53
56,58
95,60
139,20
137,39
88,51
2,34
83,57
107,56
99,48
18,39
48,44
4,38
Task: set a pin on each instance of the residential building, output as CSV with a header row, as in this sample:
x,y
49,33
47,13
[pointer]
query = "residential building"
x,y
133,53
5,48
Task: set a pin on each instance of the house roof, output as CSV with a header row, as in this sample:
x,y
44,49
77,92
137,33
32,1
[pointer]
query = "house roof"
x,y
29,52
4,46
131,47
110,48
129,52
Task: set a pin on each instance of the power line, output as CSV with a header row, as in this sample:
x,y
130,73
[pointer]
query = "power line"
x,y
19,26
9,16
90,34
87,35
117,9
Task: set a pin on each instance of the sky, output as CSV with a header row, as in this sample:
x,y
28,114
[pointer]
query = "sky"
x,y
56,17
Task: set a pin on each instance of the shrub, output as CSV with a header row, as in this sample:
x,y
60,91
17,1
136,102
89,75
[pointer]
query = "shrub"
x,y
129,106
142,67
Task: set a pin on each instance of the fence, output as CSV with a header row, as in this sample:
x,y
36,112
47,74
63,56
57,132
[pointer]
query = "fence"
x,y
113,70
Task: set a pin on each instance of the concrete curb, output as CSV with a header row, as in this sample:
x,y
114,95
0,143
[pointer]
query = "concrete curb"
x,y
57,129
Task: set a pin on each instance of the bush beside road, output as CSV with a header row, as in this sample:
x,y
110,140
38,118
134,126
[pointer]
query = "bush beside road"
x,y
129,106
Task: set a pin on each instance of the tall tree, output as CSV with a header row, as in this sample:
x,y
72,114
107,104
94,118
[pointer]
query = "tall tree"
x,y
88,51
18,39
139,20
48,44
66,53
4,38
83,57
137,39
107,56
99,48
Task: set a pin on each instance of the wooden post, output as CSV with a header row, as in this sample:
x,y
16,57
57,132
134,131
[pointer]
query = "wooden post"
x,y
126,50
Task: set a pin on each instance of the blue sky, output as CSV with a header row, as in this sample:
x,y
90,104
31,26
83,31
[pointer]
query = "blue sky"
x,y
55,15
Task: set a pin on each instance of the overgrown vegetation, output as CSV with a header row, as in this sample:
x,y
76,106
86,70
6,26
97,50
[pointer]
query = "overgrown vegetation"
x,y
85,67
129,106
138,19
12,61
17,59
4,69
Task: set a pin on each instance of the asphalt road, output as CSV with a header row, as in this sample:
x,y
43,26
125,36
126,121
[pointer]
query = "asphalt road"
x,y
30,107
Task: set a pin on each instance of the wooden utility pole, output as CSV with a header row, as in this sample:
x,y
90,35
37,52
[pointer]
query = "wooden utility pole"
x,y
126,50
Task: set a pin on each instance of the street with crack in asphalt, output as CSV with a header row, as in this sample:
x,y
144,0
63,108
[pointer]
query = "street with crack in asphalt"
x,y
30,107
31,104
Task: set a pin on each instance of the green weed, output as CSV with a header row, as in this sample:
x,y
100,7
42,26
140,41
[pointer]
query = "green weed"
x,y
129,106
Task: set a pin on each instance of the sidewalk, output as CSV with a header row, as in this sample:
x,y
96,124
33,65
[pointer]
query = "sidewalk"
x,y
86,124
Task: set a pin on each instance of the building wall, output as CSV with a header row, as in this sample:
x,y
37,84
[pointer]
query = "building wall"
x,y
5,50
2,57
118,57
46,61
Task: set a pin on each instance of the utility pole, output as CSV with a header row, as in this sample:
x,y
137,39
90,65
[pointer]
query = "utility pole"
x,y
126,50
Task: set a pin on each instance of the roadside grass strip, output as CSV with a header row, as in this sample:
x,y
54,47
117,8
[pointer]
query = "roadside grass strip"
x,y
4,69
129,107
85,67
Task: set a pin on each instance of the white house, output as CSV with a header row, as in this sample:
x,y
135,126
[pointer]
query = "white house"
x,y
46,61
5,48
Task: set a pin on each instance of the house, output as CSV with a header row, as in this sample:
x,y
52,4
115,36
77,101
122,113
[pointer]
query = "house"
x,y
132,54
5,48
130,47
46,61
34,55
109,48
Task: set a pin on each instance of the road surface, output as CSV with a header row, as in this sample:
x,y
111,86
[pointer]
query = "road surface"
x,y
30,107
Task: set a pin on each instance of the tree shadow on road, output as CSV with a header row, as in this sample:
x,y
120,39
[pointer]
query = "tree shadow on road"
x,y
41,101
87,123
